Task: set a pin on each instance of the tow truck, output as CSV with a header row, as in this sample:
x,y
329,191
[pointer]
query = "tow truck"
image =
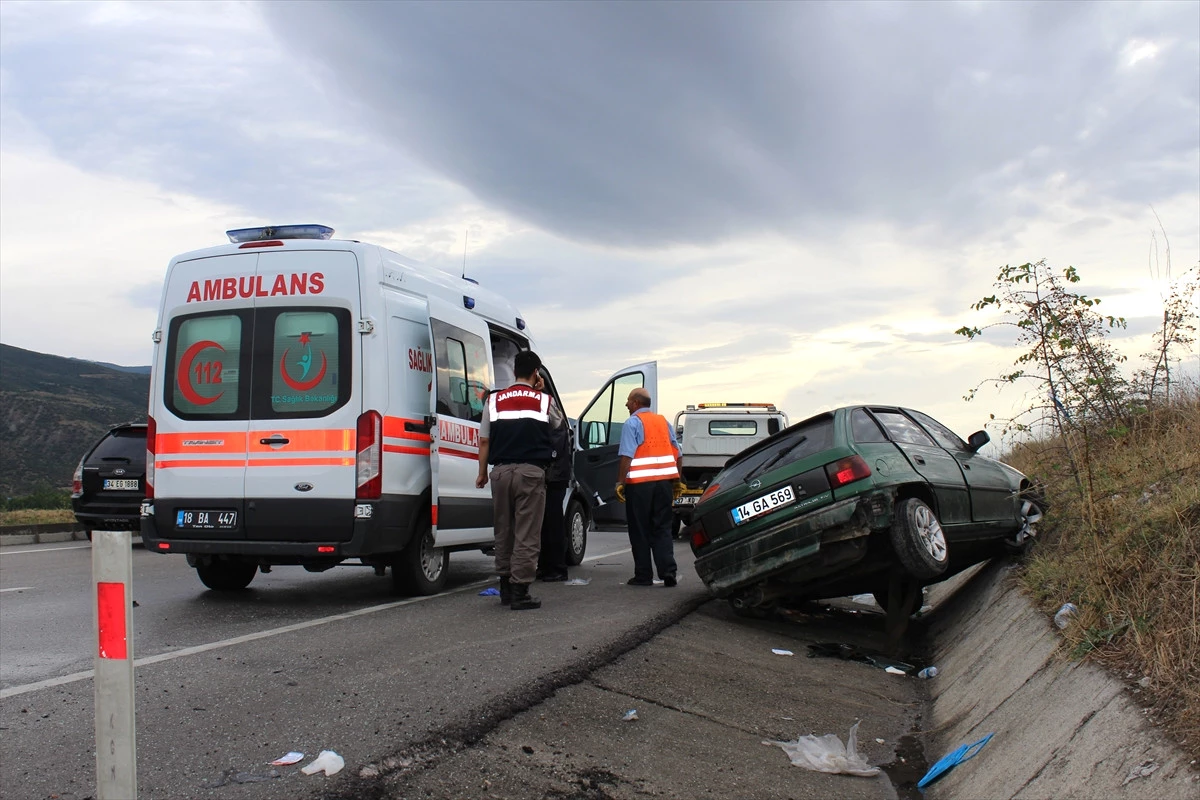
x,y
709,434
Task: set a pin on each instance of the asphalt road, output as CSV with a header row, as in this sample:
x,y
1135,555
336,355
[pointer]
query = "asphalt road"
x,y
226,683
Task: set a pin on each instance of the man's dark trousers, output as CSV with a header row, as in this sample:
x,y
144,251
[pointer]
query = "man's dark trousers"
x,y
648,512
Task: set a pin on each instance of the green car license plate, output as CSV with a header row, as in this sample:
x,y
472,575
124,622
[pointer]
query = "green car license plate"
x,y
783,496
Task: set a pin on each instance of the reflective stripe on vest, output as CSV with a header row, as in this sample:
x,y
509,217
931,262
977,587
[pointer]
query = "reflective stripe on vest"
x,y
654,459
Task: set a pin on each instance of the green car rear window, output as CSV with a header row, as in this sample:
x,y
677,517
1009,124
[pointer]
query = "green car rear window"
x,y
813,436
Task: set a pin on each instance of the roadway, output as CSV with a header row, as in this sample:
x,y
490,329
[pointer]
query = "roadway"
x,y
300,661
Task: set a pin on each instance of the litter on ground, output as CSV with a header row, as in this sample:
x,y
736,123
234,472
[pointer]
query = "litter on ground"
x,y
779,652
578,582
630,715
962,753
828,754
285,760
849,652
491,591
1143,770
327,761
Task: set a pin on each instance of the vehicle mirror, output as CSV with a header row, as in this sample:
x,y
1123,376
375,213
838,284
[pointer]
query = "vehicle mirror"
x,y
772,426
596,435
977,440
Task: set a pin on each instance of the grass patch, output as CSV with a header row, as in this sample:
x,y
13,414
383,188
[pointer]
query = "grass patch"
x,y
36,516
1122,542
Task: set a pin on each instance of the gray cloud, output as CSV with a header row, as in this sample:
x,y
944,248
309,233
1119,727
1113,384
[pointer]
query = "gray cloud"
x,y
655,123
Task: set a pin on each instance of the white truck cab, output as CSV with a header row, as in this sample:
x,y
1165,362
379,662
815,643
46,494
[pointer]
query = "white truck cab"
x,y
316,400
710,434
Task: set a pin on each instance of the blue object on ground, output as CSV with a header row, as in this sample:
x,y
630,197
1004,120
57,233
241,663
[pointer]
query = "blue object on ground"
x,y
952,760
491,591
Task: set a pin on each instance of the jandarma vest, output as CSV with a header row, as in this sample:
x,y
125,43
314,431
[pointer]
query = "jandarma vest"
x,y
654,460
519,421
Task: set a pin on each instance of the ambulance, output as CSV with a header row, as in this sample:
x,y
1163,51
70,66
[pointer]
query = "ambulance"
x,y
316,402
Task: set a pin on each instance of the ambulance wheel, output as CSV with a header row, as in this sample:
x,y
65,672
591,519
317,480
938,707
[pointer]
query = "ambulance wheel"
x,y
577,526
421,568
221,575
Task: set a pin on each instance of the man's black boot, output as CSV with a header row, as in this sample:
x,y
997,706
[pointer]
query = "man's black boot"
x,y
505,590
521,601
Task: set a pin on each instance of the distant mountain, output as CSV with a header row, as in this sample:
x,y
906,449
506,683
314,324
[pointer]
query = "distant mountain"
x,y
52,409
137,370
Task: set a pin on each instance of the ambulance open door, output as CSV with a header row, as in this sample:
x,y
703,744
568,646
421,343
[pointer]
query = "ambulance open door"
x,y
599,439
462,376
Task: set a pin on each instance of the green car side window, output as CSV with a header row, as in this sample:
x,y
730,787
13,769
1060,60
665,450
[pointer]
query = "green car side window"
x,y
945,437
902,429
864,428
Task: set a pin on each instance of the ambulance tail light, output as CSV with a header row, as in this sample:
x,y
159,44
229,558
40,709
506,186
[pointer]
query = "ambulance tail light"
x,y
369,462
151,435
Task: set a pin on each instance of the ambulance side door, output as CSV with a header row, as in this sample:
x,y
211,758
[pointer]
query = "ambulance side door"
x,y
462,376
599,439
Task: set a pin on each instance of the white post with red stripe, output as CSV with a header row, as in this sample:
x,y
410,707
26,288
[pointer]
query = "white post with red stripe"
x,y
116,751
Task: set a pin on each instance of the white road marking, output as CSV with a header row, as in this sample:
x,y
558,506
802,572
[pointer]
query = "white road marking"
x,y
62,680
15,589
6,552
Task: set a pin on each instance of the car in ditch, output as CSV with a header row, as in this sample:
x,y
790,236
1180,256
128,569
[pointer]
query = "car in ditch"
x,y
110,482
862,499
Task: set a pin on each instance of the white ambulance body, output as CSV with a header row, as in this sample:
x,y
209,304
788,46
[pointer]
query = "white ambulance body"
x,y
316,400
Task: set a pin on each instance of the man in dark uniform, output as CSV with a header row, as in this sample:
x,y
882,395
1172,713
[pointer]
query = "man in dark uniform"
x,y
515,438
552,562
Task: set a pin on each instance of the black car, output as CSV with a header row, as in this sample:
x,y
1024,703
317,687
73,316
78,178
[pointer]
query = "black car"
x,y
110,481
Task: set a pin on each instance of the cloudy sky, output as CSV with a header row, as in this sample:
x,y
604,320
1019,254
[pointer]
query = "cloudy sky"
x,y
789,202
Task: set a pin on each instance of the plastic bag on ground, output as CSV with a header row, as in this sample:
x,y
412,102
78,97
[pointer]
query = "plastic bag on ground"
x,y
828,754
328,762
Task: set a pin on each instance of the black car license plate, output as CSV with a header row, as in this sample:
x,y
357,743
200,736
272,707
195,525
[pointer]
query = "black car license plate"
x,y
206,520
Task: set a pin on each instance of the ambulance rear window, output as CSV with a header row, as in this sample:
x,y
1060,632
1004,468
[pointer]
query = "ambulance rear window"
x,y
205,366
309,360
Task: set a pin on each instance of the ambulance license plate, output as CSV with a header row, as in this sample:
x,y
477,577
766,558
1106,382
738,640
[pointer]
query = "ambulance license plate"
x,y
206,520
782,496
121,483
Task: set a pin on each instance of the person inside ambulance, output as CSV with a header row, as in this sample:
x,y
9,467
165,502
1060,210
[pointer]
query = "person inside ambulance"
x,y
515,439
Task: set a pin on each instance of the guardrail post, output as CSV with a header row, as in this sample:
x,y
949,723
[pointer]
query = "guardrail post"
x,y
116,751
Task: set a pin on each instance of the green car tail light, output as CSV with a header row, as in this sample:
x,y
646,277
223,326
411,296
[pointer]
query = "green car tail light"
x,y
712,489
847,470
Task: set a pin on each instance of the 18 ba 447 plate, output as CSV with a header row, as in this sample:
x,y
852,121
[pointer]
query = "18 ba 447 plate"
x,y
206,520
783,496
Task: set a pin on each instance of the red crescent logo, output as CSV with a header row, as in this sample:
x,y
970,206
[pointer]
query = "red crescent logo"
x,y
297,385
183,376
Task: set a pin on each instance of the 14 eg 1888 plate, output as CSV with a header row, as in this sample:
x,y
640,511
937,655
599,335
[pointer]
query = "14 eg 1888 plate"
x,y
761,505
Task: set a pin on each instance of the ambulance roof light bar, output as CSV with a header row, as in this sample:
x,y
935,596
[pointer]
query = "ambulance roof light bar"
x,y
279,232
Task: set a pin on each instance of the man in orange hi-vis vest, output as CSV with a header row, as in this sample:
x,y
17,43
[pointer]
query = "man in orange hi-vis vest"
x,y
646,481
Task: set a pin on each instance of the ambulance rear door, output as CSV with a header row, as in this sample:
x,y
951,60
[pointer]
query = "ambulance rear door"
x,y
599,439
462,364
202,404
306,397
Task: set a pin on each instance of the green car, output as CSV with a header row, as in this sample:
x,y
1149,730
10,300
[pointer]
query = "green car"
x,y
850,501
